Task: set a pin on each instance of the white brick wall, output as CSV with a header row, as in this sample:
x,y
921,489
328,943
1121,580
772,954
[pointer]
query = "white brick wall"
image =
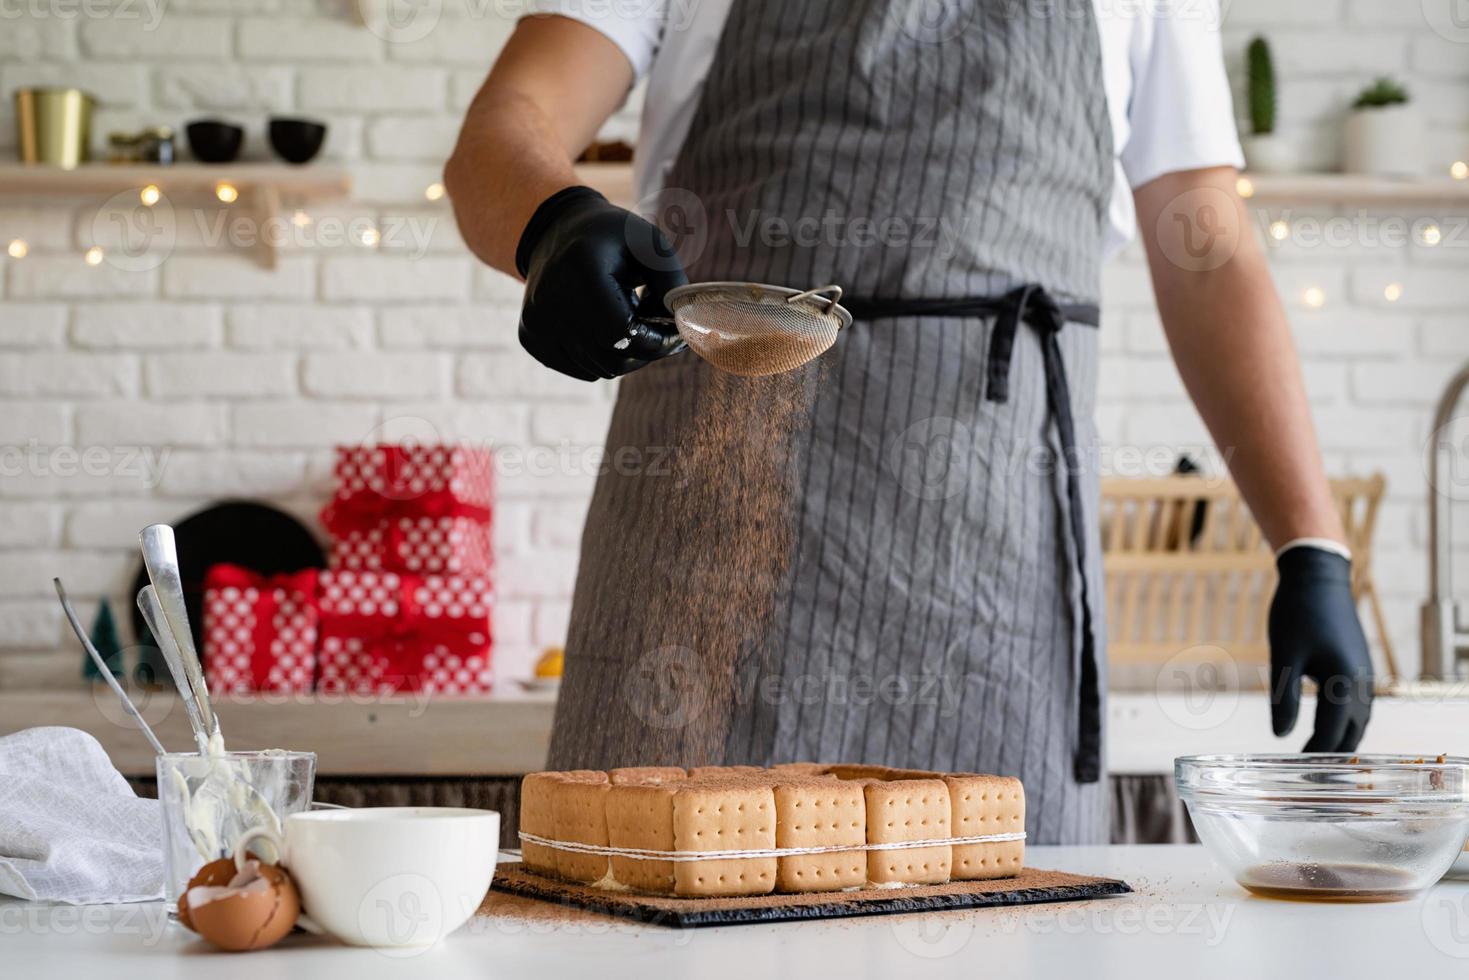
x,y
233,381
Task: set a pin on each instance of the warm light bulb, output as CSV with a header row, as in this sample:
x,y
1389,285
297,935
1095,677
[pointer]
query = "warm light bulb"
x,y
301,219
226,192
434,191
1460,170
1432,235
1246,187
94,255
370,237
1279,230
1315,297
150,195
18,249
1393,292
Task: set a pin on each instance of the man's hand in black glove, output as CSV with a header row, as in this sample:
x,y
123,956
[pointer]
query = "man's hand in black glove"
x,y
1315,633
583,258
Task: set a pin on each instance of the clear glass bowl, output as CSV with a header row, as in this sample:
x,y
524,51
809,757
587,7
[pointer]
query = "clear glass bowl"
x,y
1324,827
210,800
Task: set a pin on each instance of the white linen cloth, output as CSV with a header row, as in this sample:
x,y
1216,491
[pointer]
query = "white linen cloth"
x,y
71,828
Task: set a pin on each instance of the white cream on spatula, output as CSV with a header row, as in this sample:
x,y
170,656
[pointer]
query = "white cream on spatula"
x,y
223,807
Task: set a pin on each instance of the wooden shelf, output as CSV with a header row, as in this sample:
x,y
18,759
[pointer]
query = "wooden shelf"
x,y
261,186
503,735
305,183
1348,189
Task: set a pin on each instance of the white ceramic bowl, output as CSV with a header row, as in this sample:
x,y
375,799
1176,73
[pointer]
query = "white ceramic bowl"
x,y
392,876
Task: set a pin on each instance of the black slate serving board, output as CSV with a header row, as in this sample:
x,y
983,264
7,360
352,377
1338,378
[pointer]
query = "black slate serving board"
x,y
1031,887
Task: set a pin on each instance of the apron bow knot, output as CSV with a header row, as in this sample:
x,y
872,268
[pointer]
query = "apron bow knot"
x,y
1025,304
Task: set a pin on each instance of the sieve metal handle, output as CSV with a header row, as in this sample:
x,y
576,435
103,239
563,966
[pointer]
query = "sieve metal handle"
x,y
644,342
832,292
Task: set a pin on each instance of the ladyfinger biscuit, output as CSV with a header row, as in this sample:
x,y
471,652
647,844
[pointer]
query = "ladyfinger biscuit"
x,y
716,815
537,817
579,806
986,805
902,810
641,816
820,812
646,775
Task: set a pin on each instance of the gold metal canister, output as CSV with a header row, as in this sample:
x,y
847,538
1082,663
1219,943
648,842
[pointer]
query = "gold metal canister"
x,y
53,126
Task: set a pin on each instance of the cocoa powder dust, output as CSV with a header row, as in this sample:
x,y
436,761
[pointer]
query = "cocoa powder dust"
x,y
732,530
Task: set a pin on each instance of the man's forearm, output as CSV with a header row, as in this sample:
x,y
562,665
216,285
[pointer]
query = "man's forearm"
x,y
1233,346
554,85
507,161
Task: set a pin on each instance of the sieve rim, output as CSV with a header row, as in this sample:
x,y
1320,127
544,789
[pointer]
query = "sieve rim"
x,y
759,291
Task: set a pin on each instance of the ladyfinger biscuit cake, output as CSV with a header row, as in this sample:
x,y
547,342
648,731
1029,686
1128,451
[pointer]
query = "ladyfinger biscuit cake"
x,y
718,831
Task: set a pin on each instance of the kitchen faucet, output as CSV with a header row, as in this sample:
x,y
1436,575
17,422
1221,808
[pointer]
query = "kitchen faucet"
x,y
1445,638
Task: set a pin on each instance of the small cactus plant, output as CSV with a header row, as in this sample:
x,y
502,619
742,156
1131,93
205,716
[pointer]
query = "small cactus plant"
x,y
1263,99
1380,94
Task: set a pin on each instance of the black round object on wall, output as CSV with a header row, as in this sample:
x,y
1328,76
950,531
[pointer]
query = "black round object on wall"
x,y
239,532
296,140
214,141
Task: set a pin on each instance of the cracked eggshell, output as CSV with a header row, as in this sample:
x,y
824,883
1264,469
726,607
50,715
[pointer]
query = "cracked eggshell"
x,y
215,874
252,910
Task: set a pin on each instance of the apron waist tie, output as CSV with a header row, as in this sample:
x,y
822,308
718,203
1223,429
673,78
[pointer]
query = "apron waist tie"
x,y
1031,304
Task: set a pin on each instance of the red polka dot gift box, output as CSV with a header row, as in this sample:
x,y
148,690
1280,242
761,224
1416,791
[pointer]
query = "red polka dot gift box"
x,y
420,509
260,633
420,545
384,632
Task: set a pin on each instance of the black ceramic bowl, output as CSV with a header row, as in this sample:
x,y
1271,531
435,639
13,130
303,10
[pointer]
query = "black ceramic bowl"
x,y
296,140
214,141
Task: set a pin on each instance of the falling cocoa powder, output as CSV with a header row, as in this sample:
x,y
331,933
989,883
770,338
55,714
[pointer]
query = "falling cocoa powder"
x,y
685,566
733,523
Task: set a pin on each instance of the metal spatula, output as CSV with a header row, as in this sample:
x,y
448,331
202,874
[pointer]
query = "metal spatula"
x,y
160,557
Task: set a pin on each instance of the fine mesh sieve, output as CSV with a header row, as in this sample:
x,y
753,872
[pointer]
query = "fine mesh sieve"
x,y
752,329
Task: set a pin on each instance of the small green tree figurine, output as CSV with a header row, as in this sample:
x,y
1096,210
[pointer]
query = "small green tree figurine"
x,y
104,637
1263,99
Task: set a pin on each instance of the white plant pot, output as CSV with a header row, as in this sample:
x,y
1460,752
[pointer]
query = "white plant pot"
x,y
1384,142
1270,154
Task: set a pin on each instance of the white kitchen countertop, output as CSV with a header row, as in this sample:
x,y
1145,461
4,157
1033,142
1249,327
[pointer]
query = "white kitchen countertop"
x,y
1186,920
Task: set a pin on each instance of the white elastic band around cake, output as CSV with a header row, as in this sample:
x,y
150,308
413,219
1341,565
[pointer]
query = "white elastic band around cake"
x,y
641,854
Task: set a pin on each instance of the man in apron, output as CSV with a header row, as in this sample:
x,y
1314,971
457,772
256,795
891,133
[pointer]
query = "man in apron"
x,y
954,168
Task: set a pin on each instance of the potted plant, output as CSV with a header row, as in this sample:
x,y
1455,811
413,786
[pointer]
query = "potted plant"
x,y
1384,132
1265,150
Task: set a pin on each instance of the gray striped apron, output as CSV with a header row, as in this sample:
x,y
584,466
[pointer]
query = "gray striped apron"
x,y
950,166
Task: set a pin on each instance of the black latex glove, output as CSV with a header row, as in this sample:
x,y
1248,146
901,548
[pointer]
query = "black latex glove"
x,y
582,258
1315,633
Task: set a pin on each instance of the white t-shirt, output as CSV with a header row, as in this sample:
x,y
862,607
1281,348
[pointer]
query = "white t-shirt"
x,y
1167,92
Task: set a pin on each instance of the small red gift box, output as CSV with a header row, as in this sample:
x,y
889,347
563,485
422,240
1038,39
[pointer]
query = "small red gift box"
x,y
435,478
423,509
259,632
382,632
420,545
